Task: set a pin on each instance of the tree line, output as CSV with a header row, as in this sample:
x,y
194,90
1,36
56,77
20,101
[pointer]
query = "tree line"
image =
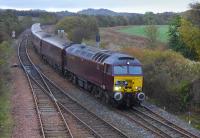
x,y
10,21
105,20
135,19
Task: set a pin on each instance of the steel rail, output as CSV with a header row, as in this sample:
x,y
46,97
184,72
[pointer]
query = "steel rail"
x,y
144,123
35,97
33,93
168,123
49,90
79,104
67,110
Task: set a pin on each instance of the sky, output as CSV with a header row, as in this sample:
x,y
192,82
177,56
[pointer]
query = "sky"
x,y
132,6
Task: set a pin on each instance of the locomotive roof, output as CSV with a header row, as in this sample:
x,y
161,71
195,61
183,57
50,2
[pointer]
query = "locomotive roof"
x,y
88,52
101,56
121,59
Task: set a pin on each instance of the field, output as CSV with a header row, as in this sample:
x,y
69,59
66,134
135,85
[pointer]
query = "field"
x,y
139,30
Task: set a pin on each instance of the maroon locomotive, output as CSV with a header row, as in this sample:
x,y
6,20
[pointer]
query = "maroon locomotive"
x,y
111,76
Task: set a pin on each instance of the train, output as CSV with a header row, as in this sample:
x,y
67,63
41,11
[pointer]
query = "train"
x,y
115,78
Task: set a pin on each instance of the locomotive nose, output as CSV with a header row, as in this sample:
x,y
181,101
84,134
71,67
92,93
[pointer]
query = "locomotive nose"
x,y
140,96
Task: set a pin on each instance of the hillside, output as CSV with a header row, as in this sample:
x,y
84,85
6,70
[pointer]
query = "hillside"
x,y
105,12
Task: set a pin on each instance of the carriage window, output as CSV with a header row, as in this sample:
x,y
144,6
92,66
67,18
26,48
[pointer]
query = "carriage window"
x,y
135,70
120,70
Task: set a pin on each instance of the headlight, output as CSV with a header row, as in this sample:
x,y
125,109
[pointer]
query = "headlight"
x,y
117,88
138,88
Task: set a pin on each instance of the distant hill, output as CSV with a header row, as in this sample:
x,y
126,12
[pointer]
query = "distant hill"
x,y
65,13
105,12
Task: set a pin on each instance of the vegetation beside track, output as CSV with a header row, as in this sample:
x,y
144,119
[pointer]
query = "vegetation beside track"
x,y
194,118
169,77
5,114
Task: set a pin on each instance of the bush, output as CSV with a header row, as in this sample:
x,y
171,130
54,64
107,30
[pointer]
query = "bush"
x,y
78,28
168,77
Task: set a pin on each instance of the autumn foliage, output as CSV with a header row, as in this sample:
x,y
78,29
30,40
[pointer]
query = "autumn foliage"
x,y
169,78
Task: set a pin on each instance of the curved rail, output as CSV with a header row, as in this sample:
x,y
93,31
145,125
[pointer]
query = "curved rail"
x,y
155,123
151,114
46,108
143,123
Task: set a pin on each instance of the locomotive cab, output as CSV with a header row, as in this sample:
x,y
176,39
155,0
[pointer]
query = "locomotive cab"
x,y
127,80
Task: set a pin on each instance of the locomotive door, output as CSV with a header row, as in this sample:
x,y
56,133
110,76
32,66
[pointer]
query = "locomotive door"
x,y
104,76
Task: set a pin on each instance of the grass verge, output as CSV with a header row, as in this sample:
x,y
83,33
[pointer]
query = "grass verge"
x,y
5,107
139,30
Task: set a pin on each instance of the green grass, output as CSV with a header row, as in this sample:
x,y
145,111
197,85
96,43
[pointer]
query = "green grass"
x,y
5,114
139,30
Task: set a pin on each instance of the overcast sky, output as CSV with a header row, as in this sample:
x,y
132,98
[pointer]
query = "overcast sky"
x,y
137,6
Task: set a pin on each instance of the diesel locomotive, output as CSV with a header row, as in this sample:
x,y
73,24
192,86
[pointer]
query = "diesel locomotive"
x,y
114,77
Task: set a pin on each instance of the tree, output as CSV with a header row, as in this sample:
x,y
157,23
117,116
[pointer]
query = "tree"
x,y
190,35
194,14
47,18
78,27
151,30
149,18
176,41
26,22
152,34
8,23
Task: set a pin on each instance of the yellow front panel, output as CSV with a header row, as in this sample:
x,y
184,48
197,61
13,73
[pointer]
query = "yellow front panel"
x,y
134,83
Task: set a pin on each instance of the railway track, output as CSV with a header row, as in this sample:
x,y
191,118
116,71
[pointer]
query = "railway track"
x,y
155,123
171,128
79,121
50,117
103,128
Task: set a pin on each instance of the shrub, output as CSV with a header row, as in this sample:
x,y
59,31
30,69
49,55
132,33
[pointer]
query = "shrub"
x,y
168,77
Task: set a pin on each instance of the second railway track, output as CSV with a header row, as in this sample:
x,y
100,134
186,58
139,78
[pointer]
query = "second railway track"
x,y
155,123
50,117
157,120
77,120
